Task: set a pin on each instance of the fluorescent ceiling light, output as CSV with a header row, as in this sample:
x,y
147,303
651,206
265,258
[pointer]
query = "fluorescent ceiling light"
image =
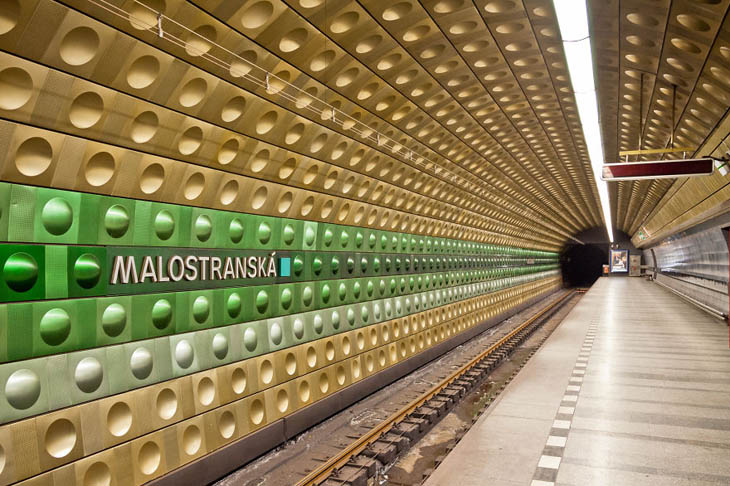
x,y
573,23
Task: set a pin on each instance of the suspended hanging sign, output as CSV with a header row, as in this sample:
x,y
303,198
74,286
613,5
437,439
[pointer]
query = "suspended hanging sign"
x,y
659,169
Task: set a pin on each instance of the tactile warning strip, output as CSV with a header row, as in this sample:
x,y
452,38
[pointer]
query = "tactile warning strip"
x,y
546,472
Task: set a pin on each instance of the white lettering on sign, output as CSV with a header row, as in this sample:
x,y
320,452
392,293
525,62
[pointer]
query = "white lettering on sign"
x,y
190,268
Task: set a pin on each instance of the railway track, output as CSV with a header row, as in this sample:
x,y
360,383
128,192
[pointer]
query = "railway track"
x,y
373,451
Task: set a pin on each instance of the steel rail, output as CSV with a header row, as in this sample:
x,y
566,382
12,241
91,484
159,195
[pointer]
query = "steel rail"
x,y
323,472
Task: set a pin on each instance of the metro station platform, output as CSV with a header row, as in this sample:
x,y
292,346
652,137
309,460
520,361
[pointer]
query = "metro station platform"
x,y
633,388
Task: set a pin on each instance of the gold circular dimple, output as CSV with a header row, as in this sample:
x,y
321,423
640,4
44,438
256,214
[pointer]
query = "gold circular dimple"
x,y
329,351
256,411
266,122
242,64
200,40
193,92
33,156
228,151
60,438
143,72
304,391
368,44
397,11
344,22
206,391
166,403
293,40
500,6
99,169
282,400
192,439
152,178
266,372
238,381
324,383
194,186
143,15
257,15
119,419
229,192
285,202
226,424
290,364
98,474
79,46
341,376
311,357
190,141
642,20
693,22
16,88
259,197
149,458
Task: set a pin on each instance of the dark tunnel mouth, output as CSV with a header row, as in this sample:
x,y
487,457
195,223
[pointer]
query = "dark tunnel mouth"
x,y
581,265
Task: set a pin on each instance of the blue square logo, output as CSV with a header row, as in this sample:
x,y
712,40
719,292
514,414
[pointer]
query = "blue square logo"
x,y
285,267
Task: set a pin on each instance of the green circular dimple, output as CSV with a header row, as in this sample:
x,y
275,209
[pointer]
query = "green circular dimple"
x,y
351,317
250,339
235,230
350,264
372,240
164,225
201,309
289,234
328,237
57,216
262,301
376,264
387,264
309,236
344,239
286,298
203,227
113,320
364,313
383,242
335,264
55,326
264,233
20,272
317,265
116,221
298,265
325,293
370,288
364,264
394,242
87,270
161,313
392,285
381,286
318,324
356,287
358,239
342,291
335,319
233,304
307,296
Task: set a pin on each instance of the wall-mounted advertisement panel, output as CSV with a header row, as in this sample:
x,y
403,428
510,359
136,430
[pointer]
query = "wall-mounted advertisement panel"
x,y
619,261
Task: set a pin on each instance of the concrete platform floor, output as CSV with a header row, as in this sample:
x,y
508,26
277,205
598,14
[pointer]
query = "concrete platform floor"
x,y
632,389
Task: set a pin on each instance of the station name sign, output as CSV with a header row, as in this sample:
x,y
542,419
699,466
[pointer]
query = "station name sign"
x,y
183,269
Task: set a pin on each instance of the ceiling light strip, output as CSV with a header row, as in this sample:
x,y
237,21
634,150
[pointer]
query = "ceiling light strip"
x,y
573,22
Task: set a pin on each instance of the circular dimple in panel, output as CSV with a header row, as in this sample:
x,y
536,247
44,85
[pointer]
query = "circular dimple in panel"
x,y
57,216
311,357
143,72
144,127
98,474
266,122
164,225
340,375
161,313
86,110
233,109
16,85
260,160
226,425
190,140
194,186
20,272
149,458
256,411
257,15
143,13
141,363
324,383
294,134
276,333
166,404
290,364
329,350
99,169
116,221
238,381
344,22
298,328
88,374
693,22
22,389
192,440
397,11
228,152
33,156
235,230
55,326
184,354
9,15
87,270
113,320
152,178
206,391
229,192
119,419
679,65
60,438
322,60
250,340
266,372
193,92
282,401
220,346
304,391
685,45
259,197
203,229
293,40
79,46
199,40
642,20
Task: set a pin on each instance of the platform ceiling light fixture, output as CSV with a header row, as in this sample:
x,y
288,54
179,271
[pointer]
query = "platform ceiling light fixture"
x,y
573,21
